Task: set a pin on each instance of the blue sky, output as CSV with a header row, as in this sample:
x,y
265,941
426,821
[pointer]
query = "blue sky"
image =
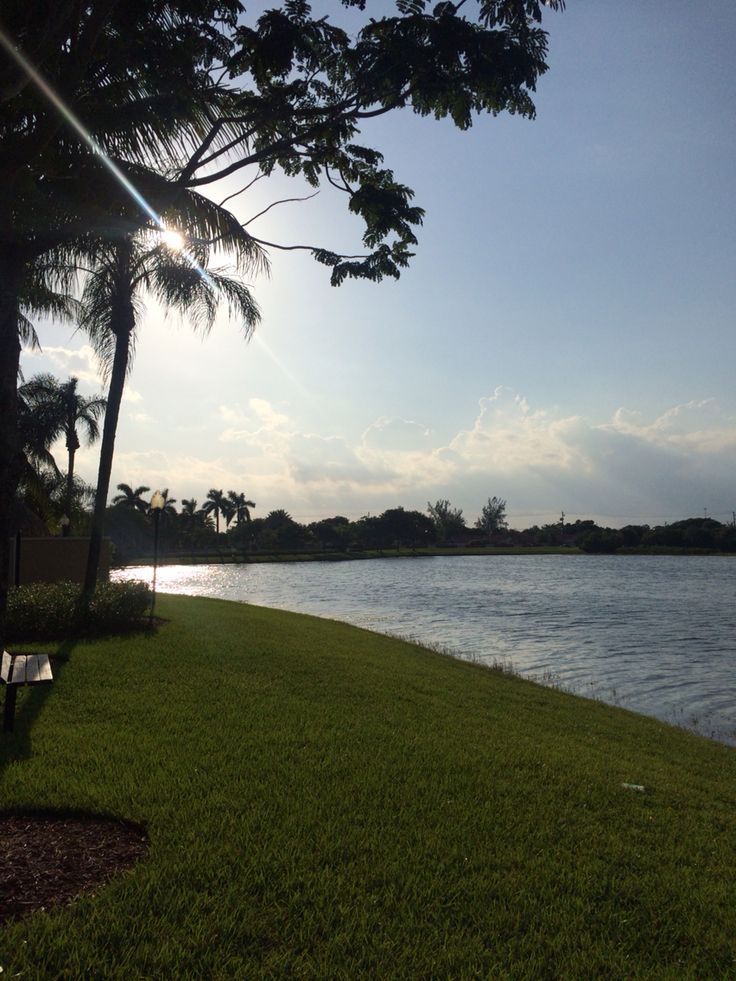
x,y
563,339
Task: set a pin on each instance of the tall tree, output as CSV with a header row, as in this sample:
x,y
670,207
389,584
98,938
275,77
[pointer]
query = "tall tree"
x,y
131,497
125,271
188,508
72,412
195,523
307,87
492,517
240,506
448,521
39,477
216,503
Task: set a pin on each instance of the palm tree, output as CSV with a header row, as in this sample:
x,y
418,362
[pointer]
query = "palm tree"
x,y
66,410
121,272
38,427
39,476
188,508
241,506
216,503
113,63
188,516
131,498
228,512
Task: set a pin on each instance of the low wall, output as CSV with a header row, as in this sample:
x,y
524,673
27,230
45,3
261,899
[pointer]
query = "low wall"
x,y
56,559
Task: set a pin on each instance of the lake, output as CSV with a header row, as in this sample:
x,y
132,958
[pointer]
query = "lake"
x,y
656,634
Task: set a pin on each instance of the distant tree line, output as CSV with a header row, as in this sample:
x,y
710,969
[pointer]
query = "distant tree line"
x,y
53,501
194,529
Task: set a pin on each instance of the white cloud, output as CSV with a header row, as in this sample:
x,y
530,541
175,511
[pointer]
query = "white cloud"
x,y
699,426
80,362
314,459
508,437
624,469
254,423
132,396
389,434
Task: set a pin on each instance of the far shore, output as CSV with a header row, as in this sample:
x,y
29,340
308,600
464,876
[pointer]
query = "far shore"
x,y
236,557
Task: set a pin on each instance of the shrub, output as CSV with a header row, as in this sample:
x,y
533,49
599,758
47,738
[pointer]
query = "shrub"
x,y
50,611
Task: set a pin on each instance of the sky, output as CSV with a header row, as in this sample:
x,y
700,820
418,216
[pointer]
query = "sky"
x,y
563,339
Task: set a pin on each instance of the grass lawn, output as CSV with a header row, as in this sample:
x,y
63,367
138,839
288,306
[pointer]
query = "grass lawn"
x,y
323,802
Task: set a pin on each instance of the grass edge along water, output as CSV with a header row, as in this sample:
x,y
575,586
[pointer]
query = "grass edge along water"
x,y
322,801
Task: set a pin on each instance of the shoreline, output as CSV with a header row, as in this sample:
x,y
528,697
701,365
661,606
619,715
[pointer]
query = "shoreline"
x,y
254,558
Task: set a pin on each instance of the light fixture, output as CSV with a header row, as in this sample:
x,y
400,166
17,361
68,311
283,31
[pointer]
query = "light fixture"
x,y
157,505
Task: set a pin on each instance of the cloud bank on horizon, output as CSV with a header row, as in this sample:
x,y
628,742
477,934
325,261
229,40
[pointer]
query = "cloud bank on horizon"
x,y
627,469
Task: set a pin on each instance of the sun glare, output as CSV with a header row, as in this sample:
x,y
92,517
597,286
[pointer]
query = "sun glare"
x,y
173,239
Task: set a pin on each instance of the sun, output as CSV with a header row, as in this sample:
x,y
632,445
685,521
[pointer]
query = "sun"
x,y
173,239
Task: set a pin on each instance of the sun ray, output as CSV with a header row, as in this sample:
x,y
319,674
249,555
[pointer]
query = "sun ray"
x,y
171,237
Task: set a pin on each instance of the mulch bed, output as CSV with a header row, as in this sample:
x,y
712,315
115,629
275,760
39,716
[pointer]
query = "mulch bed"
x,y
47,859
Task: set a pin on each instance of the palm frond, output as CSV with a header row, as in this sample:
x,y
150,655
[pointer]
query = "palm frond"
x,y
27,333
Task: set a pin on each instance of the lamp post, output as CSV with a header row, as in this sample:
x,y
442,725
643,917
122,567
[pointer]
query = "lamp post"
x,y
157,506
65,525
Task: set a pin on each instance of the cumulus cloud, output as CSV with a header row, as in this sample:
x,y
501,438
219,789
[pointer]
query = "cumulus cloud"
x,y
80,362
507,436
697,426
623,469
259,419
314,459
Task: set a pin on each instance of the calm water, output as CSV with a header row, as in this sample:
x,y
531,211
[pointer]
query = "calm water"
x,y
656,634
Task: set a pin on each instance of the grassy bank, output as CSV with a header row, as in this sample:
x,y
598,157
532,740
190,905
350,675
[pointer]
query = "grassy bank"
x,y
323,802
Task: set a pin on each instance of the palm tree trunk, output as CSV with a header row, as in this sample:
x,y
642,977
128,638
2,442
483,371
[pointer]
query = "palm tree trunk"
x,y
123,332
72,445
11,274
70,484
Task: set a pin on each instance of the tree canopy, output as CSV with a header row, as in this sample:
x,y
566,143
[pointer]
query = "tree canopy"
x,y
492,516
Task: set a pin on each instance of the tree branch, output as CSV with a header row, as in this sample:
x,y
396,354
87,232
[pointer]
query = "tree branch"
x,y
242,190
304,248
283,201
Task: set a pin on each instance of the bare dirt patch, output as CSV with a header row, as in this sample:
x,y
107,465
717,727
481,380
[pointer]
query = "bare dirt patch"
x,y
49,859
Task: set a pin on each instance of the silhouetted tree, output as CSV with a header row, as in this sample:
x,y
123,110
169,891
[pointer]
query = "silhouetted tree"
x,y
66,411
132,498
492,517
215,503
240,506
448,521
331,533
123,271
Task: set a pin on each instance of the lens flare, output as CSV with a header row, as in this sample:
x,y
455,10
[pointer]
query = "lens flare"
x,y
172,238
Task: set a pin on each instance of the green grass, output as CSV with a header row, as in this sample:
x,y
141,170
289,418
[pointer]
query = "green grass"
x,y
323,802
